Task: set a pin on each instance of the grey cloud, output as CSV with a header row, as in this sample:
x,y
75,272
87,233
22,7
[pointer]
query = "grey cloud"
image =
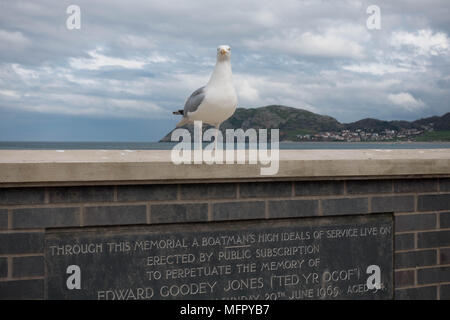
x,y
316,55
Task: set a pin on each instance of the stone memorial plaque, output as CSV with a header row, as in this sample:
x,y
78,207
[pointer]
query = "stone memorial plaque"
x,y
347,257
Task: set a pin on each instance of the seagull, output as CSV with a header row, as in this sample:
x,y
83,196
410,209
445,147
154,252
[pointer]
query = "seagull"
x,y
217,100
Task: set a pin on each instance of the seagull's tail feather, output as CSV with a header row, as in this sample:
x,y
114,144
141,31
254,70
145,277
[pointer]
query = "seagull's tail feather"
x,y
181,112
182,122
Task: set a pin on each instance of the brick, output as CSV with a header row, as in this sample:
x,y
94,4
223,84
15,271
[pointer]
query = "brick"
x,y
432,202
445,292
433,275
422,293
444,184
238,210
26,242
147,192
114,215
414,259
416,185
171,213
201,191
412,222
3,267
444,219
22,195
393,204
433,239
318,188
445,256
265,189
28,266
345,206
404,278
293,208
45,217
22,290
404,241
81,194
369,186
3,219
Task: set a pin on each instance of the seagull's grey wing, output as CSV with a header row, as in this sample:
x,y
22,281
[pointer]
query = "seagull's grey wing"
x,y
194,101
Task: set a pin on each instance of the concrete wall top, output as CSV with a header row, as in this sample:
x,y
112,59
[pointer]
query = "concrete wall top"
x,y
79,167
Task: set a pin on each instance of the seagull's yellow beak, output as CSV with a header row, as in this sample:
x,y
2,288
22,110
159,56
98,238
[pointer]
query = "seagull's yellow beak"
x,y
223,51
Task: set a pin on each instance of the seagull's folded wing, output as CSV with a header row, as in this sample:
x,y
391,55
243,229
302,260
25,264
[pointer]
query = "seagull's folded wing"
x,y
194,101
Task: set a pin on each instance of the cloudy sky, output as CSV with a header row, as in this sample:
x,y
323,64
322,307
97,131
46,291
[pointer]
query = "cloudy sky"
x,y
131,63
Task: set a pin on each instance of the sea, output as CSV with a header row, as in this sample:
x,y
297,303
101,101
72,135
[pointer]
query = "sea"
x,y
72,145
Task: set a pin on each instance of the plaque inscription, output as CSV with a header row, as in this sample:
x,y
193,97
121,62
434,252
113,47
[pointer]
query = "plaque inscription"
x,y
306,258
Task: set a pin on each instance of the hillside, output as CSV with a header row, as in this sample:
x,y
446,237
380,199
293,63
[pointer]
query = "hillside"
x,y
380,125
439,123
290,121
294,122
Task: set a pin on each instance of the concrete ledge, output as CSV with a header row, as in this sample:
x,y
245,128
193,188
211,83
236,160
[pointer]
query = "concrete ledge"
x,y
79,167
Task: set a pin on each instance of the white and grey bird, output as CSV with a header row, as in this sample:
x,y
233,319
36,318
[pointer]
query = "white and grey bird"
x,y
215,102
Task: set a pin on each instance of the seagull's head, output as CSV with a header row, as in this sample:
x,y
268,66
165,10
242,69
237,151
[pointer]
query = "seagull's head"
x,y
223,52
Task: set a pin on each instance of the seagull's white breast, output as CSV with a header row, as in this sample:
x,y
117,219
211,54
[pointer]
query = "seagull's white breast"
x,y
220,100
219,104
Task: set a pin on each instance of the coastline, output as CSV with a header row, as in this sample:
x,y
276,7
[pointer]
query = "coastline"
x,y
141,145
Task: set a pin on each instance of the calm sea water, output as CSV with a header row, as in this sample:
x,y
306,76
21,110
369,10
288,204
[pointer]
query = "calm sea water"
x,y
51,145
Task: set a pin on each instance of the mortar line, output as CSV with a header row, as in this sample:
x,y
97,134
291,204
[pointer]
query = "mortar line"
x,y
25,230
417,250
421,286
415,277
148,213
82,212
438,220
210,217
46,195
178,201
413,213
10,218
416,201
22,255
416,240
10,267
422,231
421,267
22,278
266,209
427,267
